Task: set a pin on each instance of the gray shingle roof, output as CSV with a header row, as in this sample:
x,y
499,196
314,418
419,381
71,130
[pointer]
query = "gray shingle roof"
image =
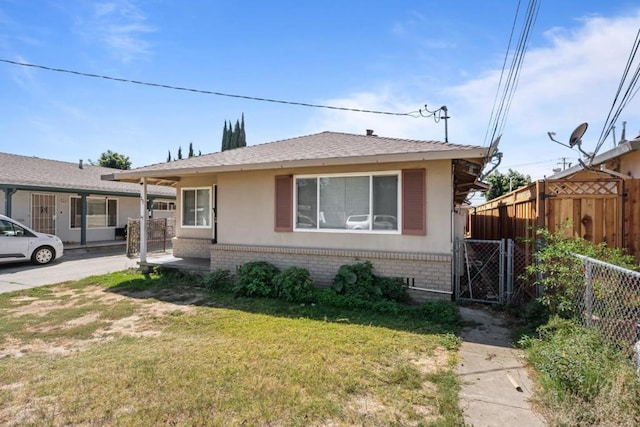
x,y
57,175
325,146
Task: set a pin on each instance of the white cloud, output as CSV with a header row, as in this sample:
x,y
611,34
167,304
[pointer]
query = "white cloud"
x,y
570,80
120,26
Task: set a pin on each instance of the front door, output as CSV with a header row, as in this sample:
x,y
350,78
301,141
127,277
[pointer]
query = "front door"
x,y
43,213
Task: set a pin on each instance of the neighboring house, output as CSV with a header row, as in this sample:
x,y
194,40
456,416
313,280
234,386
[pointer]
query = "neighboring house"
x,y
324,200
50,197
622,161
597,200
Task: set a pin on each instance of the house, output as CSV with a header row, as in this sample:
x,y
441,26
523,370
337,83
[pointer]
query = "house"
x,y
50,196
324,200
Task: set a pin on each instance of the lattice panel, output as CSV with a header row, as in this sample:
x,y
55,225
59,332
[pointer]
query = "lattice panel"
x,y
583,188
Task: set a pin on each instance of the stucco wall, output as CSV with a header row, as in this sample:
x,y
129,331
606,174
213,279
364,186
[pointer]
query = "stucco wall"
x,y
246,212
630,164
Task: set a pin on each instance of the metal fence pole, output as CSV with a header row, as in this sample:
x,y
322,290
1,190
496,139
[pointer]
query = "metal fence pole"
x,y
588,293
510,253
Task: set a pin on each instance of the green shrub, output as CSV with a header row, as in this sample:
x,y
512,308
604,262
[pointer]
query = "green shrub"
x,y
294,285
584,381
560,274
255,279
218,280
392,288
358,281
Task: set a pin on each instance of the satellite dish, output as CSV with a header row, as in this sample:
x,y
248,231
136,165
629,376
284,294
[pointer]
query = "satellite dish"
x,y
493,148
576,135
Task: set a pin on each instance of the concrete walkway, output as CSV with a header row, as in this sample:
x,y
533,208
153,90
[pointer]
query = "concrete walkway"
x,y
496,389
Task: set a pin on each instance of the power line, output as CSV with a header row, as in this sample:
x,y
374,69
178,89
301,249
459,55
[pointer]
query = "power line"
x,y
413,114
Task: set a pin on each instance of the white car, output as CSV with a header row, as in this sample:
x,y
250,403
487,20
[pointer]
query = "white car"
x,y
20,243
358,222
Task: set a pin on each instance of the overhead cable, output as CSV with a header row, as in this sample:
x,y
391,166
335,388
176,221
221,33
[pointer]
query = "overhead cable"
x,y
414,114
621,100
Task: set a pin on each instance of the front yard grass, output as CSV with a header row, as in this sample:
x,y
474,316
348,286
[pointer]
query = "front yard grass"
x,y
128,349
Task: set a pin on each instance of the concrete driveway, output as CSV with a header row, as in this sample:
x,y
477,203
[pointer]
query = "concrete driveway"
x,y
74,265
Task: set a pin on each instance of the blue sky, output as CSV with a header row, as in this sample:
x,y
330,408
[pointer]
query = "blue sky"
x,y
377,55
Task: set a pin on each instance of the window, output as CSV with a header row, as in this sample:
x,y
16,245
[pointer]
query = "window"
x,y
101,212
362,202
164,206
196,207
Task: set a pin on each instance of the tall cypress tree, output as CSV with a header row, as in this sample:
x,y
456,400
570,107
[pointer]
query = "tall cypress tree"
x,y
179,153
235,136
191,149
224,146
242,139
169,156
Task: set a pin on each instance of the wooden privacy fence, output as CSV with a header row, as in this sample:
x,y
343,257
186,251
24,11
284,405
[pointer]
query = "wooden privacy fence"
x,y
599,210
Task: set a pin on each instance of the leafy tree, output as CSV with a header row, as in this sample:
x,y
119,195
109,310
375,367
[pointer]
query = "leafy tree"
x,y
111,159
504,183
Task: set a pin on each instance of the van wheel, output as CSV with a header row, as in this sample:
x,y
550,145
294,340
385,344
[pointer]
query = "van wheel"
x,y
43,255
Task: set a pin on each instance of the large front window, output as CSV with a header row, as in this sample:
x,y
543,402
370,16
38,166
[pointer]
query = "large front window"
x,y
196,207
101,212
362,202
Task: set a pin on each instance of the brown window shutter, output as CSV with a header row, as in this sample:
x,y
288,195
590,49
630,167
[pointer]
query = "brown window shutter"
x,y
284,203
413,202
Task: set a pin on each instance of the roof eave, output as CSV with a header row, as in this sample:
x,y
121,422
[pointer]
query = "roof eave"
x,y
614,153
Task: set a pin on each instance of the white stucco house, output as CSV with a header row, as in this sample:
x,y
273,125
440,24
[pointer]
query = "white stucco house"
x,y
71,200
323,200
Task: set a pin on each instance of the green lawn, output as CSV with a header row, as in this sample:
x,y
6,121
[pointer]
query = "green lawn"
x,y
125,349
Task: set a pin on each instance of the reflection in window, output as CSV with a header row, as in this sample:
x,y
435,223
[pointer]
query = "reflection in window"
x,y
101,212
196,207
362,203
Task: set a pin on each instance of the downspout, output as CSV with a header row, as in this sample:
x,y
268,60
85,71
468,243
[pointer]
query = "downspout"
x,y
143,220
8,192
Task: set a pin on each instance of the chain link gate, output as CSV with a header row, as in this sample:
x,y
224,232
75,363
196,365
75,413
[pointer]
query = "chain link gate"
x,y
480,270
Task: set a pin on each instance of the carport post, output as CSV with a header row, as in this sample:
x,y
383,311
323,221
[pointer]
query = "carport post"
x,y
143,220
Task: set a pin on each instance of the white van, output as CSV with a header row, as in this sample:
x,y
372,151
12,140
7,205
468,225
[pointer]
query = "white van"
x,y
20,243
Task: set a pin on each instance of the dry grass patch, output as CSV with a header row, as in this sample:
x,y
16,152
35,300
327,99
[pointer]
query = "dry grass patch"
x,y
154,357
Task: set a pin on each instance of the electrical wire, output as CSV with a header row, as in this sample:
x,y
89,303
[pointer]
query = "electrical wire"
x,y
620,102
413,114
507,86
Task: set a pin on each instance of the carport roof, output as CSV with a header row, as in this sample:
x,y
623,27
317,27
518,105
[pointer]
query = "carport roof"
x,y
24,172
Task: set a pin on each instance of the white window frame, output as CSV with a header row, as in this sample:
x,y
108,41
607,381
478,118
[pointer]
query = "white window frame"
x,y
106,201
195,189
370,175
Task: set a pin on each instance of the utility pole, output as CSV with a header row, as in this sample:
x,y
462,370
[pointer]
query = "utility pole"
x,y
564,163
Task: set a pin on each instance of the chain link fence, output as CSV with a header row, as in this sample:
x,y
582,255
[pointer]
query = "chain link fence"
x,y
493,271
480,267
609,300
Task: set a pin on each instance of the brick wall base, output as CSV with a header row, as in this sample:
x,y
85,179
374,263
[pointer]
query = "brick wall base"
x,y
427,275
191,248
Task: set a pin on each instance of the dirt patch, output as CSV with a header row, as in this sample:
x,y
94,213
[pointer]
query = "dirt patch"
x,y
146,321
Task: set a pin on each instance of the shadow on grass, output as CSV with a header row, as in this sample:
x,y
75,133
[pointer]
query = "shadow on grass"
x,y
186,289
